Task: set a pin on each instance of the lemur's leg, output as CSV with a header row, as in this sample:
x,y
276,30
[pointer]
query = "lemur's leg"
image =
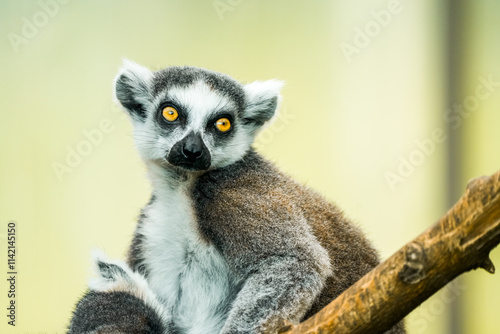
x,y
119,301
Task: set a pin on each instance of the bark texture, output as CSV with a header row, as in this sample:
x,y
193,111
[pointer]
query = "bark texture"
x,y
460,241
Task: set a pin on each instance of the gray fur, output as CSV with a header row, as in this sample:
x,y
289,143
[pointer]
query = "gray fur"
x,y
184,76
132,87
114,312
136,252
237,247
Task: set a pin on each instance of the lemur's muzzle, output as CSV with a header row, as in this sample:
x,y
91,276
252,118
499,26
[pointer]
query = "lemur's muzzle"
x,y
190,153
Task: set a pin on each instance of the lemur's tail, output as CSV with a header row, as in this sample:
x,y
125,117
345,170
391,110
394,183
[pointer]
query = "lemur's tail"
x,y
119,301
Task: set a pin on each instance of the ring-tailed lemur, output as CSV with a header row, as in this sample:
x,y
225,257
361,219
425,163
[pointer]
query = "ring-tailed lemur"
x,y
227,244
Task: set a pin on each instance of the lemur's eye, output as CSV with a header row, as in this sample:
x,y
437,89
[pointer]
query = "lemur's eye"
x,y
170,113
223,124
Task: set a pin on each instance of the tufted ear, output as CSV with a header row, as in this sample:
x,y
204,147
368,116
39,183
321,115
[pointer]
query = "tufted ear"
x,y
262,99
132,89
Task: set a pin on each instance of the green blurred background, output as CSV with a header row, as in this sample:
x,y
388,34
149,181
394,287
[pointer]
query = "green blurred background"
x,y
368,83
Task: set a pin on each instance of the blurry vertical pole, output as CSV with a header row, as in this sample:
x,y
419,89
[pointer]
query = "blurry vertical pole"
x,y
454,20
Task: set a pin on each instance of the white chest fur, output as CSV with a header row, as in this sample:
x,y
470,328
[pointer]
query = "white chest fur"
x,y
188,275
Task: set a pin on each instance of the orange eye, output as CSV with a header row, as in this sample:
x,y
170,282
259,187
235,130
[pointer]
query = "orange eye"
x,y
170,114
223,124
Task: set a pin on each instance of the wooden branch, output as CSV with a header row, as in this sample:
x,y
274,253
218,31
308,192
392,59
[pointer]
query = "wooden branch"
x,y
460,241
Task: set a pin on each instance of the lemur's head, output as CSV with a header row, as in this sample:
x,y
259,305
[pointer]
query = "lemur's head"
x,y
191,118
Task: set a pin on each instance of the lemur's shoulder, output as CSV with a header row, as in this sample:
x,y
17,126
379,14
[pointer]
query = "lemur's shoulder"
x,y
253,203
248,211
254,185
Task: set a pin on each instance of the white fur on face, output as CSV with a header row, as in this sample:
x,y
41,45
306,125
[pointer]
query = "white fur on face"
x,y
232,151
201,104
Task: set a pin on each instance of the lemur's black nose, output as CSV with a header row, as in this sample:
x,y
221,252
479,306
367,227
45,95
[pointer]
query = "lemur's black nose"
x,y
193,147
190,153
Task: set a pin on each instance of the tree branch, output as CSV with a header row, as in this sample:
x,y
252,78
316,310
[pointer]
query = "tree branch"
x,y
460,241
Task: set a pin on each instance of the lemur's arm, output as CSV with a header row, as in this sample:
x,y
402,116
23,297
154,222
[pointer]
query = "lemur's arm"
x,y
119,301
268,246
282,288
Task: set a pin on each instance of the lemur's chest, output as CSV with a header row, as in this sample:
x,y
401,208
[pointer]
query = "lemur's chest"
x,y
189,275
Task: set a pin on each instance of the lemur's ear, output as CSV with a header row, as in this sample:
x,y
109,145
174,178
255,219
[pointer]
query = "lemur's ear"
x,y
132,89
262,99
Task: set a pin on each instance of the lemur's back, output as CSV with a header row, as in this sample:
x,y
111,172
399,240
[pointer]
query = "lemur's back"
x,y
253,198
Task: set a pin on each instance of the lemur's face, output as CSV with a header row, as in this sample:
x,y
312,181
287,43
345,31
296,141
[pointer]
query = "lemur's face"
x,y
191,118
